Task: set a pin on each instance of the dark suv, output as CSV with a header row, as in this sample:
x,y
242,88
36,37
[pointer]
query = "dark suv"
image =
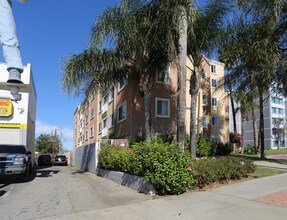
x,y
45,160
15,160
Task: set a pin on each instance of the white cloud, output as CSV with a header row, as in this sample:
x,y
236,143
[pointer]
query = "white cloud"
x,y
66,133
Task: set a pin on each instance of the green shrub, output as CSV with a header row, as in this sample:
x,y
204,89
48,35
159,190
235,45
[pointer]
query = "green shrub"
x,y
223,149
249,149
204,147
163,165
113,157
221,170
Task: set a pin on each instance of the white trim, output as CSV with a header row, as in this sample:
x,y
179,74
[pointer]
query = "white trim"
x,y
121,88
166,77
168,107
121,105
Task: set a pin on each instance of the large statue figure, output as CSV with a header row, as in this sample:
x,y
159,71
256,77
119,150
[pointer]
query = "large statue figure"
x,y
9,41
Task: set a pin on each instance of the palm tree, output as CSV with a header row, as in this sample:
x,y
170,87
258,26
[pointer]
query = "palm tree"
x,y
203,33
143,36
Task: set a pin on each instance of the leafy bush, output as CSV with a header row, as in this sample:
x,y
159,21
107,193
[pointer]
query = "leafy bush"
x,y
113,157
204,147
221,170
249,149
223,149
163,165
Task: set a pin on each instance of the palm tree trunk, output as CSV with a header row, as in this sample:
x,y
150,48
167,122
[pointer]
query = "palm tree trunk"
x,y
255,129
147,113
192,126
242,131
232,104
193,90
181,105
261,123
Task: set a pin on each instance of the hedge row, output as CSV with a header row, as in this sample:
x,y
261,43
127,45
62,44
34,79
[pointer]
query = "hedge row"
x,y
170,170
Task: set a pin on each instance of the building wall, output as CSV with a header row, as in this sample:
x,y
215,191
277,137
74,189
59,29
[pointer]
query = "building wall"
x,y
220,130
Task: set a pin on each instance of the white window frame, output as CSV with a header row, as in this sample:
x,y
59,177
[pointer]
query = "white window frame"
x,y
86,135
204,119
100,127
123,105
92,131
166,79
213,69
111,121
213,81
168,107
121,87
204,100
111,94
212,102
92,113
212,121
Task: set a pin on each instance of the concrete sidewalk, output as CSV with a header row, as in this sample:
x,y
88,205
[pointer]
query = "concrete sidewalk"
x,y
264,198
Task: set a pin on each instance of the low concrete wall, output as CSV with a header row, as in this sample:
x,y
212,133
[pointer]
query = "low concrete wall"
x,y
135,182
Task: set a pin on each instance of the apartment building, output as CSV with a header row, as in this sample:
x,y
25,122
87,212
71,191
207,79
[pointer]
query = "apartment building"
x,y
275,115
212,102
119,113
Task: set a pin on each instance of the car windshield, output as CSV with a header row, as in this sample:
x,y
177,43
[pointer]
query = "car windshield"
x,y
45,156
62,157
12,149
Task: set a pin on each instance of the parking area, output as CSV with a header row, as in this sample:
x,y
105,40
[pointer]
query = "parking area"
x,y
59,190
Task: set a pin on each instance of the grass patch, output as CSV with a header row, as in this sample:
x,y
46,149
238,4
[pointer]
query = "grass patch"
x,y
275,152
263,172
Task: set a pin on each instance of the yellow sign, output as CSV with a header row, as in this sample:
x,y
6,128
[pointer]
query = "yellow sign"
x,y
6,108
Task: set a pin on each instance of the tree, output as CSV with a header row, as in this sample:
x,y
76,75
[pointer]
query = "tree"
x,y
203,33
143,36
49,143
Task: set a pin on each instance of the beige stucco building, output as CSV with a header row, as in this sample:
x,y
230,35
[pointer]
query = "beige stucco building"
x,y
119,112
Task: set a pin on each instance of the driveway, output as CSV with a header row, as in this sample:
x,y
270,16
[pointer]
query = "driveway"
x,y
56,191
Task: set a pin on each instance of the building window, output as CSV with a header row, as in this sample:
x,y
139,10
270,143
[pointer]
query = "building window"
x,y
214,102
204,99
122,84
277,100
204,122
213,83
111,120
100,127
213,68
93,95
203,76
92,131
214,121
162,76
100,106
86,135
162,107
122,112
92,113
277,111
111,94
105,123
87,118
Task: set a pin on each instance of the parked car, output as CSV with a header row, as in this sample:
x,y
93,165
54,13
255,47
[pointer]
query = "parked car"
x,y
15,160
60,160
45,160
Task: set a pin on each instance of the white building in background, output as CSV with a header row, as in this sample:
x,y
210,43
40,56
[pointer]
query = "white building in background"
x,y
275,122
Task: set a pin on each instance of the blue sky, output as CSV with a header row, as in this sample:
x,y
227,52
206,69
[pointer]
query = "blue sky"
x,y
49,30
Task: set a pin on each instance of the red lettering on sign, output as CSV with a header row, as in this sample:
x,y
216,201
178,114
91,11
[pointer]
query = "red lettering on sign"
x,y
4,103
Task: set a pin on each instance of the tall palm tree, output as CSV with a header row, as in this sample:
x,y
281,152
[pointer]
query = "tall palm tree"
x,y
142,36
203,33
